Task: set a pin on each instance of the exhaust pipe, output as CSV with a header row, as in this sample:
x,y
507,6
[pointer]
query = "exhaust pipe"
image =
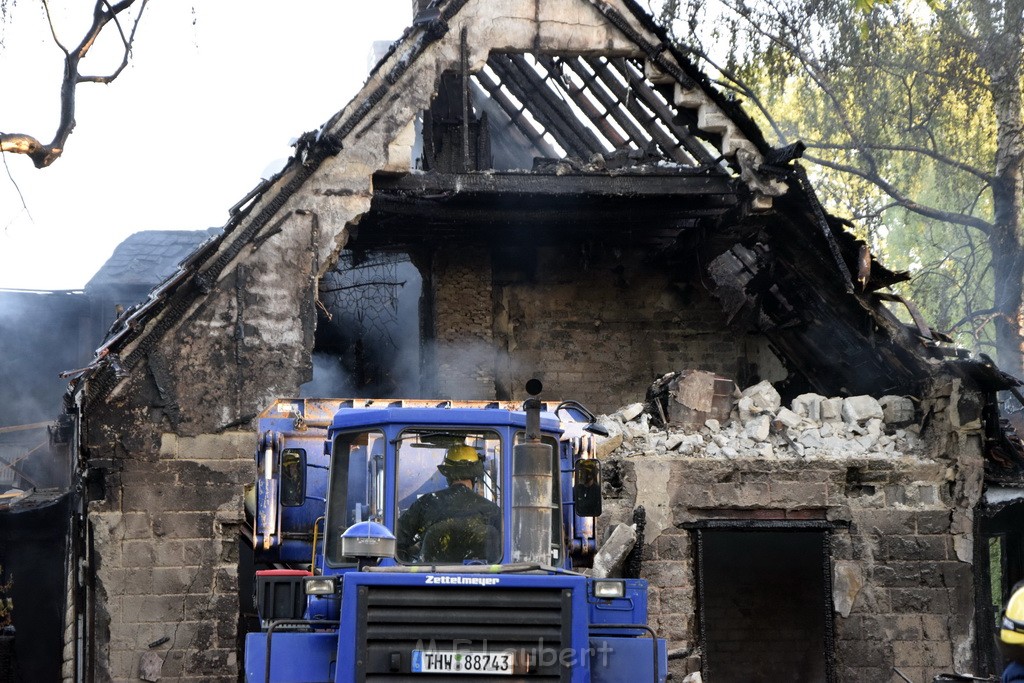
x,y
532,463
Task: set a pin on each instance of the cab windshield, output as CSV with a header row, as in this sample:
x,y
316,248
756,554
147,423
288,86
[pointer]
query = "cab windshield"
x,y
448,496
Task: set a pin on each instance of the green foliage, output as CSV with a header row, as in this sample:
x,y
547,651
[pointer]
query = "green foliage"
x,y
896,104
868,5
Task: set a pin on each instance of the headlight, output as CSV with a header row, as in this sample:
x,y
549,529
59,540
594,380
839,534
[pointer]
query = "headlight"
x,y
609,589
321,585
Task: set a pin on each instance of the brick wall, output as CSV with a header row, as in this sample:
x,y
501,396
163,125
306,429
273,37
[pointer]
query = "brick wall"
x,y
599,333
463,358
168,572
899,547
172,451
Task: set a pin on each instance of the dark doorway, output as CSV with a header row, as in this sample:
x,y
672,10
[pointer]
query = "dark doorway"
x,y
999,554
764,601
32,554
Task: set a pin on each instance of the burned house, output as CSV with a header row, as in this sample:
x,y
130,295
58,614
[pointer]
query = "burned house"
x,y
548,189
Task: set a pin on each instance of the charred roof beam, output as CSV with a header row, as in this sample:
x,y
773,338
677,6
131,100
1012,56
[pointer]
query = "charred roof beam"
x,y
550,111
590,81
586,105
626,207
666,116
672,146
516,115
448,185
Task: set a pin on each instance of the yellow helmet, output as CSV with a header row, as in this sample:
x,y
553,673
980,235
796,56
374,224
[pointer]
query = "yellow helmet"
x,y
1011,627
462,462
462,454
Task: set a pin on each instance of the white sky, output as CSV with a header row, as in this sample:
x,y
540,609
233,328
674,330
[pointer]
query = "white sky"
x,y
213,95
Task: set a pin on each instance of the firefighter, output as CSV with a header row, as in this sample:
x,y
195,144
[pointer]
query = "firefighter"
x,y
1011,636
455,523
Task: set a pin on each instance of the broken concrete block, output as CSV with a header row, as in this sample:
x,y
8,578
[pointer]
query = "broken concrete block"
x,y
831,409
860,409
867,441
673,441
746,408
826,430
151,665
838,445
630,412
808,405
604,445
897,410
690,397
608,559
691,442
713,424
788,418
809,438
847,581
635,430
764,396
758,428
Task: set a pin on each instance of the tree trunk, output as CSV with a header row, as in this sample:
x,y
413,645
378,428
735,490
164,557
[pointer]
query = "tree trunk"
x,y
1005,239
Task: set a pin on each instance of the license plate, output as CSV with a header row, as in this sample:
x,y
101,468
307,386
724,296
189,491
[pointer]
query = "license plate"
x,y
456,662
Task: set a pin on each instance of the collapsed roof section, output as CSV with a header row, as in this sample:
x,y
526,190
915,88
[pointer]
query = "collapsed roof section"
x,y
541,108
535,102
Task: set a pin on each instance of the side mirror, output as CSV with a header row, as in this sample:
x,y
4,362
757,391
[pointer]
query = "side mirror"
x,y
586,488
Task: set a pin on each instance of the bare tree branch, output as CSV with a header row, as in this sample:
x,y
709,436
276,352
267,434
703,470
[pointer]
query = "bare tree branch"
x,y
43,155
127,42
912,149
17,188
53,31
874,177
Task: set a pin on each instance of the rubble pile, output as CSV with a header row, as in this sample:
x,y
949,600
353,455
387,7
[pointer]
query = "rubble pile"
x,y
759,426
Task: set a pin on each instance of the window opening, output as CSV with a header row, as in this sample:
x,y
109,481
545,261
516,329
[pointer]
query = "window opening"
x,y
448,496
293,477
367,340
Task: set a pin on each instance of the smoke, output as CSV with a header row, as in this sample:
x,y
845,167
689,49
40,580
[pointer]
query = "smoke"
x,y
474,369
330,379
41,334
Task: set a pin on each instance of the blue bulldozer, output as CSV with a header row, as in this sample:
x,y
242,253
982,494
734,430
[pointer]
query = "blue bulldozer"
x,y
370,581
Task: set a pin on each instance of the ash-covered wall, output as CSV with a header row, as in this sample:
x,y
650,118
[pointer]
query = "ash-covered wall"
x,y
173,451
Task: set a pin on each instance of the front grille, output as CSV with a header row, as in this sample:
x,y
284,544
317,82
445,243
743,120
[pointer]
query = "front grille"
x,y
394,621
